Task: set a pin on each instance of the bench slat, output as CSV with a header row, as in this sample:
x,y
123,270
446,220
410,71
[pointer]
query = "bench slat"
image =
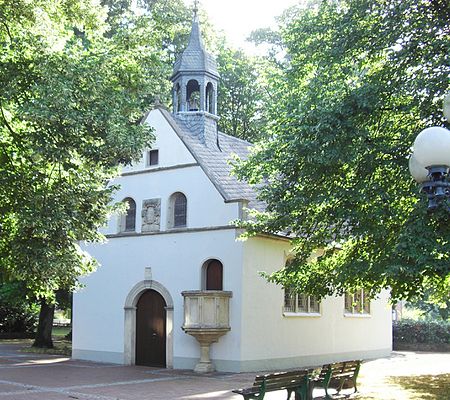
x,y
276,381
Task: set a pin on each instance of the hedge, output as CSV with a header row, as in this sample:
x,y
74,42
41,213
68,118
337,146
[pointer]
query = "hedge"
x,y
421,335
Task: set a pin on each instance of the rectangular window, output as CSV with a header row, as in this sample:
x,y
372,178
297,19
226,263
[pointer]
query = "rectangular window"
x,y
152,157
356,303
289,301
300,303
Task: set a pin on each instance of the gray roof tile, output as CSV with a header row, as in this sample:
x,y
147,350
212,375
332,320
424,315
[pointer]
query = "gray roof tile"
x,y
195,58
215,157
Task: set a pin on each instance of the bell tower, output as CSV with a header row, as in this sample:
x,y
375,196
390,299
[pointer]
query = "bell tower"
x,y
195,77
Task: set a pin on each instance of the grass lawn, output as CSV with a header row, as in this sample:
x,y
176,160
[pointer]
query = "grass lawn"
x,y
60,331
62,346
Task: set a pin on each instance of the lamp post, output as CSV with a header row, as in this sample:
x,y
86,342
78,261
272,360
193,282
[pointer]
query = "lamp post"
x,y
429,164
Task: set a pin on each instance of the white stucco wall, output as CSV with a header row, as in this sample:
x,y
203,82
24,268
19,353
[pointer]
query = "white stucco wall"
x,y
176,261
205,206
292,341
171,150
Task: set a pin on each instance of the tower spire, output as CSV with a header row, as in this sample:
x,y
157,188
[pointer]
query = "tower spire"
x,y
195,76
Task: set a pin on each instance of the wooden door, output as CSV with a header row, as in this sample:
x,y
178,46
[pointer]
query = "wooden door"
x,y
214,272
151,330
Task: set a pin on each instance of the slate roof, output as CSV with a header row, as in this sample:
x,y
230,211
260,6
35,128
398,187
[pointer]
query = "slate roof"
x,y
215,160
195,58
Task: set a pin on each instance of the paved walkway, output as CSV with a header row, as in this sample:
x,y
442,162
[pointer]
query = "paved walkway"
x,y
25,376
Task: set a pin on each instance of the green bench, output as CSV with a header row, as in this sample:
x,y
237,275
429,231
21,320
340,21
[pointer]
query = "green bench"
x,y
293,381
336,376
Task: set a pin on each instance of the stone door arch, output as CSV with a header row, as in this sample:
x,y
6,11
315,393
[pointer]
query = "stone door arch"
x,y
130,320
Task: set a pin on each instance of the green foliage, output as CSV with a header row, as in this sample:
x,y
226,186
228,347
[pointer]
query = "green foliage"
x,y
18,313
362,79
241,94
74,87
430,309
429,332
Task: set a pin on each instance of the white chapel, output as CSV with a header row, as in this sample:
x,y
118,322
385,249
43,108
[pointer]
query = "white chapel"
x,y
177,288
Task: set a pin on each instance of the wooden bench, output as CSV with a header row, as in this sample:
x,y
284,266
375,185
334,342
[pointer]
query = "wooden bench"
x,y
293,381
336,376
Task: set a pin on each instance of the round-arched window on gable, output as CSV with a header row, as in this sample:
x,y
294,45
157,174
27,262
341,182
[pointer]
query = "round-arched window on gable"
x,y
129,222
177,210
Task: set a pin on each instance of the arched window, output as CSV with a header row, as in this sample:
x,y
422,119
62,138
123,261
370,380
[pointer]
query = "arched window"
x,y
129,219
210,98
177,210
193,95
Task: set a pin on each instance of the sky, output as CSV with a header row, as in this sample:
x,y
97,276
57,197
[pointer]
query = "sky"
x,y
238,18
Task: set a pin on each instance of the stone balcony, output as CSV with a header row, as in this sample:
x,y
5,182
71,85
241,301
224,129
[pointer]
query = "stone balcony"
x,y
207,318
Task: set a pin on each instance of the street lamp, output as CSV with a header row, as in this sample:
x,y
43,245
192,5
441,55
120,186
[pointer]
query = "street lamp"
x,y
429,164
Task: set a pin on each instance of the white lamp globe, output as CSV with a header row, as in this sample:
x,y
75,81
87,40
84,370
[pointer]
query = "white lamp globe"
x,y
417,170
432,147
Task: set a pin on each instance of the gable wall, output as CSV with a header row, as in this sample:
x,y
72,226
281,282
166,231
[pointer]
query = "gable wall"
x,y
205,206
177,171
175,152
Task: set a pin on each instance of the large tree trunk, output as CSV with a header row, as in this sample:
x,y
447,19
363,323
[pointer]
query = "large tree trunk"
x,y
44,330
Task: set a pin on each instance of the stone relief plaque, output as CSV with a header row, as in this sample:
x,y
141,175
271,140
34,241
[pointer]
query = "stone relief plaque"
x,y
151,215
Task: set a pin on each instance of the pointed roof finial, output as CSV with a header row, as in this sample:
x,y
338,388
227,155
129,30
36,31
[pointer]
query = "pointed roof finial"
x,y
195,8
194,57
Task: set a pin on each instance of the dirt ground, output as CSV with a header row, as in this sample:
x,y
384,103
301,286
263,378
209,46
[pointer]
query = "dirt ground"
x,y
24,376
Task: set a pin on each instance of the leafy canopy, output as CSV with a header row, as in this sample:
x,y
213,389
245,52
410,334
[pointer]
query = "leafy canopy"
x,y
362,79
76,78
241,94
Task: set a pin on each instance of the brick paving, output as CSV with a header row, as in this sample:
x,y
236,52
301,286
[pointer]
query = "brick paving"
x,y
36,377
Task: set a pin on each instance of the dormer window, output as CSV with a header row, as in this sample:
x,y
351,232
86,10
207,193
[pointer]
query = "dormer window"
x,y
152,157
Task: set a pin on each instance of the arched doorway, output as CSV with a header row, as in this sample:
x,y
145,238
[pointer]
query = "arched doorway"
x,y
151,330
214,275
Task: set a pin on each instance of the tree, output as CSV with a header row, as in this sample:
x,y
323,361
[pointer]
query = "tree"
x,y
363,79
18,309
241,94
430,308
73,93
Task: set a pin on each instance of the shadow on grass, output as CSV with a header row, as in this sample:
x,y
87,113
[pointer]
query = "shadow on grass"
x,y
61,347
427,387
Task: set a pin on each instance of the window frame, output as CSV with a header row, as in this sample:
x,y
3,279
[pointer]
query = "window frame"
x,y
149,157
297,312
181,209
129,216
360,305
172,210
